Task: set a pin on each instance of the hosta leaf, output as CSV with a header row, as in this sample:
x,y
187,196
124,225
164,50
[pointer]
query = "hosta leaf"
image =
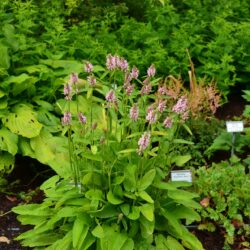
x,y
94,194
33,209
5,58
41,240
8,141
3,103
22,121
147,228
146,180
182,195
6,161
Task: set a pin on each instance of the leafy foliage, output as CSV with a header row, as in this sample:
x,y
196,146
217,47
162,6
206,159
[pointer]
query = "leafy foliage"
x,y
225,188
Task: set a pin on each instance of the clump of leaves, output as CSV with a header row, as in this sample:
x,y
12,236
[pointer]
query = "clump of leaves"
x,y
224,189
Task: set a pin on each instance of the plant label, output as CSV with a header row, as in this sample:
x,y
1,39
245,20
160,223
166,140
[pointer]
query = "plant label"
x,y
181,175
234,126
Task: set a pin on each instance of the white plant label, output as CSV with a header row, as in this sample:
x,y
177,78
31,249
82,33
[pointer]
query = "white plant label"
x,y
234,126
181,175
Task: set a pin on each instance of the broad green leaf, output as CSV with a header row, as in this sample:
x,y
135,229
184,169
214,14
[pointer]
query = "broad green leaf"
x,y
130,178
182,195
145,196
33,209
148,211
94,194
41,240
5,58
180,160
69,211
63,243
98,231
3,103
87,242
80,230
6,162
125,208
107,211
147,228
113,199
128,245
22,121
31,219
135,213
8,141
146,180
50,183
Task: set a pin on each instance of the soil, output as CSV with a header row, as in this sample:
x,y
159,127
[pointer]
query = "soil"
x,y
26,171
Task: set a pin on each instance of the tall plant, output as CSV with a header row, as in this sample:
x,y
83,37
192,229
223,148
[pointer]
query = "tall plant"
x,y
121,147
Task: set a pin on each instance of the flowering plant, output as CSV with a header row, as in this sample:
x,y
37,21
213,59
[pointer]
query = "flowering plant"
x,y
121,145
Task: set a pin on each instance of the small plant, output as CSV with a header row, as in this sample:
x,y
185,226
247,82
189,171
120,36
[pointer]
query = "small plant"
x,y
224,189
122,140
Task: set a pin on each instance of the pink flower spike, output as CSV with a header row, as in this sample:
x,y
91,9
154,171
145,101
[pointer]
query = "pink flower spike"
x,y
110,96
110,62
151,117
129,89
134,73
67,90
151,70
82,118
123,64
66,120
91,80
73,78
181,105
161,106
88,67
145,90
162,90
134,112
143,142
168,122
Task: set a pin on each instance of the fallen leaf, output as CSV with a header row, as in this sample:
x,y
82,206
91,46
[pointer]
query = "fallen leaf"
x,y
4,239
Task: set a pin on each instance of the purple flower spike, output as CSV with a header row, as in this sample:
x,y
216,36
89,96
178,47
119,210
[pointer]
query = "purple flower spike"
x,y
134,112
151,70
110,96
151,117
129,89
181,105
82,118
110,62
145,90
143,142
91,80
168,122
73,78
162,90
161,106
66,120
67,91
134,73
88,67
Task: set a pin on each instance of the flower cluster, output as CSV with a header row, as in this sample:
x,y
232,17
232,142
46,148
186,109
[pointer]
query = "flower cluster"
x,y
143,142
116,62
134,112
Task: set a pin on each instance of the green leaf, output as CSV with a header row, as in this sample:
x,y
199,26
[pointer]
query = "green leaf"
x,y
135,213
147,228
69,211
172,243
8,141
182,141
180,160
130,178
145,196
148,211
7,162
94,194
80,230
23,122
98,231
182,195
33,209
5,58
146,180
107,211
113,199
